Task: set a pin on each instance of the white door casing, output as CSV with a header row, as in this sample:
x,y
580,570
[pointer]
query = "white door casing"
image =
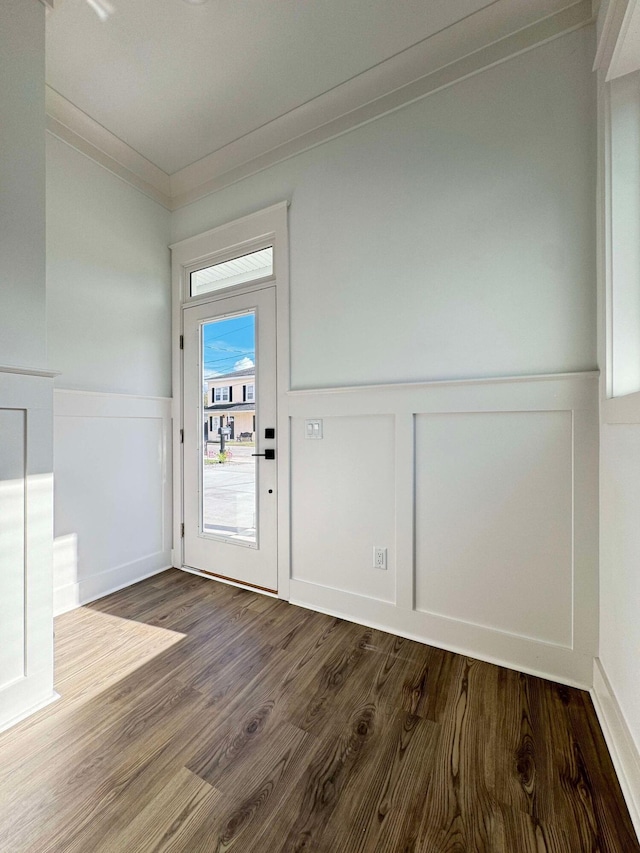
x,y
267,227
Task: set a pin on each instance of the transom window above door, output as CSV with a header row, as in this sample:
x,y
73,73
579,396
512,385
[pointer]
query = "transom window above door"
x,y
240,270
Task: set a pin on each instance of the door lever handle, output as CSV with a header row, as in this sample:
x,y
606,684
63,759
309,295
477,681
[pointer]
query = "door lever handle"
x,y
268,454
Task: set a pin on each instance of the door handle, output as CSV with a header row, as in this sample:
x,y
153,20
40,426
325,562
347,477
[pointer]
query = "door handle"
x,y
268,454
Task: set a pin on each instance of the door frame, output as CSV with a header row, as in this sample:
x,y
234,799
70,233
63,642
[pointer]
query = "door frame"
x,y
267,227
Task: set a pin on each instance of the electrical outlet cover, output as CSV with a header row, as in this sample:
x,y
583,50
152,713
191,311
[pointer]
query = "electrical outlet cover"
x,y
379,558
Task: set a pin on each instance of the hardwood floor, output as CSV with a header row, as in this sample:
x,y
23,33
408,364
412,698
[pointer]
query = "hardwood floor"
x,y
197,717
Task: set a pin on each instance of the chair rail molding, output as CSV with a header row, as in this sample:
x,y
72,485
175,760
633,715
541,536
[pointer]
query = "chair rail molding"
x,y
29,371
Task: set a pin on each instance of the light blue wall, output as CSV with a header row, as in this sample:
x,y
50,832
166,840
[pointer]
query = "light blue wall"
x,y
22,185
108,280
452,238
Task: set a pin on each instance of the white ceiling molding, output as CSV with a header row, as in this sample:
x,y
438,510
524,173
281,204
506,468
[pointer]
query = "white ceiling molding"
x,y
626,54
611,14
76,128
618,29
490,36
383,89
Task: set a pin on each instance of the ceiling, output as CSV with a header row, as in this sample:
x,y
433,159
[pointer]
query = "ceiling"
x,y
195,91
177,81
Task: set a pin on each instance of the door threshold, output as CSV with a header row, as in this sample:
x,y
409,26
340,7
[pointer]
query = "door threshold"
x,y
203,573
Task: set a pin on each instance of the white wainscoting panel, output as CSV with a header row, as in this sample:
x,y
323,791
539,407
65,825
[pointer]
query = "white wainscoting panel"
x,y
494,521
112,493
13,476
355,457
487,490
26,534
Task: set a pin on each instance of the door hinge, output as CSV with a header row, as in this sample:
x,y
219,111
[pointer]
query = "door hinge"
x,y
181,341
181,436
182,530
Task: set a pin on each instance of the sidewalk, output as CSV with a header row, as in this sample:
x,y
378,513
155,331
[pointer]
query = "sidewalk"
x,y
229,492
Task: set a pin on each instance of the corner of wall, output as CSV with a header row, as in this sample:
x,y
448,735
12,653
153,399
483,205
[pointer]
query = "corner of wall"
x,y
624,753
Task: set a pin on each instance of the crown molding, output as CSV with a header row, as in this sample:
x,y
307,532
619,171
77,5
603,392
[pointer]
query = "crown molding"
x,y
618,32
360,101
611,14
493,34
71,125
626,54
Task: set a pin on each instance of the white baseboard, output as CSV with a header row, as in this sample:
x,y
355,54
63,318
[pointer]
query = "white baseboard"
x,y
534,657
622,748
8,724
88,589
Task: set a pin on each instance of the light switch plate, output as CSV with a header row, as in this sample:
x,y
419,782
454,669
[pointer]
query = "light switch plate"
x,y
313,429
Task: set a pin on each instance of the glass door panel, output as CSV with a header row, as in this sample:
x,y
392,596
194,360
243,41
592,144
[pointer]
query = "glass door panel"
x,y
229,470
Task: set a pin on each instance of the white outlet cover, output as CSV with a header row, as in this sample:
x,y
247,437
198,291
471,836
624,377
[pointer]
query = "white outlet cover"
x,y
380,558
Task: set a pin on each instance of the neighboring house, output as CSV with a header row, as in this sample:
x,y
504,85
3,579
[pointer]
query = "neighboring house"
x,y
231,404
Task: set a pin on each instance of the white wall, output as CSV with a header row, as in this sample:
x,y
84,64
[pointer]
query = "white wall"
x,y
485,495
616,688
26,491
452,239
455,452
620,565
108,287
112,492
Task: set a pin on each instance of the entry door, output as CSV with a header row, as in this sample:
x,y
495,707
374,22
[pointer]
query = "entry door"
x,y
230,457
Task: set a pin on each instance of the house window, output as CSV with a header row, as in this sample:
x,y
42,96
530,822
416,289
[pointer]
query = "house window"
x,y
250,393
221,395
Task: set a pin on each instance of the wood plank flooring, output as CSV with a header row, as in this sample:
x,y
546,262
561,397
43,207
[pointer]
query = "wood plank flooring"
x,y
200,718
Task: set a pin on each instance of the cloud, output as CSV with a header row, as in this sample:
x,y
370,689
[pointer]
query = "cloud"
x,y
243,364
